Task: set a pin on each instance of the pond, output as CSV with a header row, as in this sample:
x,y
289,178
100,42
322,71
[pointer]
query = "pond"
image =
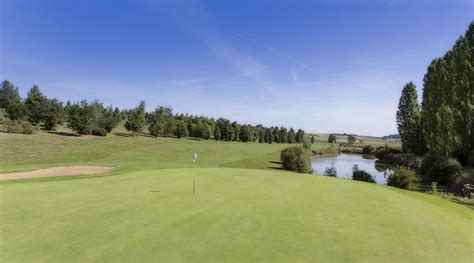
x,y
344,164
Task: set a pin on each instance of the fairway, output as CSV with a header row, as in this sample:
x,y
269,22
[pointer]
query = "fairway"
x,y
236,215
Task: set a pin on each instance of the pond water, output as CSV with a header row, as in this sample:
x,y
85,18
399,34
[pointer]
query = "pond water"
x,y
344,164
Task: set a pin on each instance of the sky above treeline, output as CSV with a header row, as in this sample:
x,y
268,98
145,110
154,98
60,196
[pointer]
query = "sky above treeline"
x,y
324,66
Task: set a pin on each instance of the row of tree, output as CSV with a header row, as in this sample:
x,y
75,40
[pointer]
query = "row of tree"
x,y
94,118
444,122
162,122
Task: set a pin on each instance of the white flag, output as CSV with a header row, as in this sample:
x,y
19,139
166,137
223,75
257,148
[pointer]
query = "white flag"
x,y
195,157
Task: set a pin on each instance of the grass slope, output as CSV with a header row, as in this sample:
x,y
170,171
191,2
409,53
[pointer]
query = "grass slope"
x,y
27,152
236,215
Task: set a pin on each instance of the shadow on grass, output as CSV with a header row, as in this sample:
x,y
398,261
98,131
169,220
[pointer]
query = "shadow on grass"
x,y
69,134
277,168
122,134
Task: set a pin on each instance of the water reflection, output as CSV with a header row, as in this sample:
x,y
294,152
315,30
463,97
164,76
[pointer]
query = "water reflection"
x,y
345,162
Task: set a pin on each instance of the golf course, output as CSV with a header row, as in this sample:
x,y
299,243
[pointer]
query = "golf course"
x,y
236,131
144,209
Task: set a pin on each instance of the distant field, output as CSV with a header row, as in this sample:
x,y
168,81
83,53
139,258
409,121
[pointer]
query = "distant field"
x,y
366,140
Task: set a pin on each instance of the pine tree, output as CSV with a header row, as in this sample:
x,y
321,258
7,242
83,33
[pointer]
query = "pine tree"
x,y
36,104
408,121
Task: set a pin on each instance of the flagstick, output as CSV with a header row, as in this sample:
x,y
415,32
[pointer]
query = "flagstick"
x,y
194,176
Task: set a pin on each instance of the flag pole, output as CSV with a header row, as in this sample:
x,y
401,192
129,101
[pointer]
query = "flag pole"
x,y
194,172
194,176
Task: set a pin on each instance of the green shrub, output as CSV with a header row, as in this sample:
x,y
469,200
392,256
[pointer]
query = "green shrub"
x,y
13,126
404,178
295,158
441,169
98,131
17,126
361,175
331,171
27,128
462,185
368,149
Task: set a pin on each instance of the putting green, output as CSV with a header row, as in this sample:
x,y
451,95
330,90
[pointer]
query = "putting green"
x,y
236,215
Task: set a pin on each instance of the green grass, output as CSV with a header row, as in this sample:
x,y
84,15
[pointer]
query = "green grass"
x,y
28,152
146,210
236,215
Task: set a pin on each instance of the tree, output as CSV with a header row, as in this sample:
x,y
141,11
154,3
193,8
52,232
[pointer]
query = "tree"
x,y
299,136
16,110
80,117
246,133
351,139
226,129
161,122
448,101
54,114
296,159
236,131
181,129
36,104
312,139
136,119
306,143
203,130
408,121
8,94
283,135
108,118
217,133
268,137
276,134
261,136
291,136
332,138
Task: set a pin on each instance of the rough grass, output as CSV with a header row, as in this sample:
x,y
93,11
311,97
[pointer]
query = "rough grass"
x,y
237,215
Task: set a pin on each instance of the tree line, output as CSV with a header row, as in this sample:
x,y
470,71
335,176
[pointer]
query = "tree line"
x,y
444,122
440,130
95,118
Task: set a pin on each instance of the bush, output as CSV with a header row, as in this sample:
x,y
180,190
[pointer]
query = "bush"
x,y
98,131
404,178
295,159
441,169
27,128
17,126
463,185
361,175
330,171
368,149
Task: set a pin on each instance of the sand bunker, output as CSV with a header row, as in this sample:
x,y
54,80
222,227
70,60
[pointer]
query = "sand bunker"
x,y
56,171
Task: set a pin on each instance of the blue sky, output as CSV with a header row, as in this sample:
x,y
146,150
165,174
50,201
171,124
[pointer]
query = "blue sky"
x,y
325,66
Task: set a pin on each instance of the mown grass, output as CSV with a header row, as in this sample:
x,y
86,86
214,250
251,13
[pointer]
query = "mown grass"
x,y
146,211
237,215
28,152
